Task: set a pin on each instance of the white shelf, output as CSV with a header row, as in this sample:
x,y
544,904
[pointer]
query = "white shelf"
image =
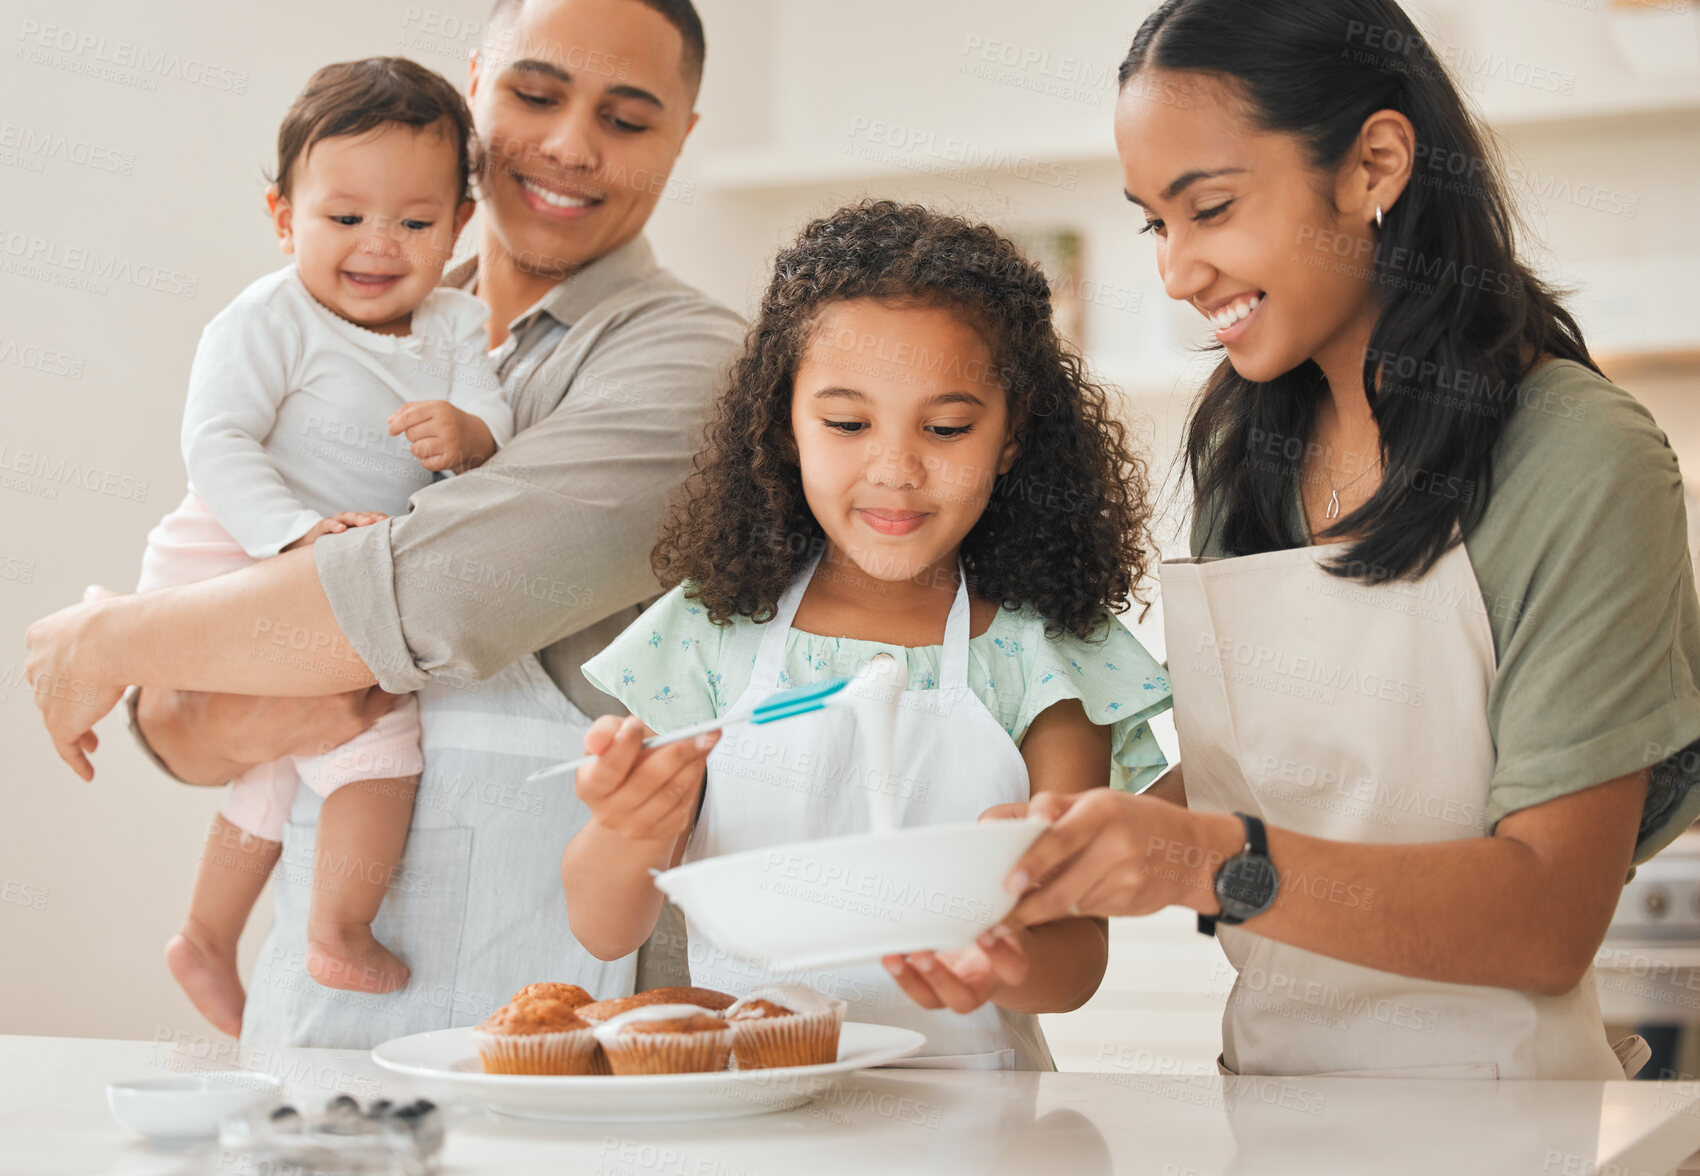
x,y
776,166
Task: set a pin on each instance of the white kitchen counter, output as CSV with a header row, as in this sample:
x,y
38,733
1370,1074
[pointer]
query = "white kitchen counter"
x,y
53,1121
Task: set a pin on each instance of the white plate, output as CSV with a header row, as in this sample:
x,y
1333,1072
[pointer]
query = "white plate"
x,y
446,1061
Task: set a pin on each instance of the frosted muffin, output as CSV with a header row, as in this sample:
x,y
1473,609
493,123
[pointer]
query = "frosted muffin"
x,y
536,1036
703,998
666,1039
785,1025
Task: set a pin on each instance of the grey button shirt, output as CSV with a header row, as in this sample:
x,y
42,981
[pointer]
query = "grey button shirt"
x,y
546,547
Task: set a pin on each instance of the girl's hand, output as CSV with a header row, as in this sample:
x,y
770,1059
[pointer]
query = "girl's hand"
x,y
962,981
338,522
1113,853
443,437
71,696
639,794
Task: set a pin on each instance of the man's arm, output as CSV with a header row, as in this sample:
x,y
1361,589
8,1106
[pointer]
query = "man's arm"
x,y
554,534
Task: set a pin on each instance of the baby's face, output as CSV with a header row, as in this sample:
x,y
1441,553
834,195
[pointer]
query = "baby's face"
x,y
372,220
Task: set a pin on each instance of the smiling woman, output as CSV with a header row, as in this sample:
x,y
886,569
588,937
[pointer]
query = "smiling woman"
x,y
1433,685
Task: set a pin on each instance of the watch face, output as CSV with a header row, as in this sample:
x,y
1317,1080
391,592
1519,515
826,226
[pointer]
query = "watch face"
x,y
1246,886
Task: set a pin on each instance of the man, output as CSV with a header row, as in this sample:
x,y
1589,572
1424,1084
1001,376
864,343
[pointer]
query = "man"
x,y
610,364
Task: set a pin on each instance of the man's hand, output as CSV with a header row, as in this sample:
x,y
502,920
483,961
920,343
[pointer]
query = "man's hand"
x,y
340,521
71,694
443,437
212,738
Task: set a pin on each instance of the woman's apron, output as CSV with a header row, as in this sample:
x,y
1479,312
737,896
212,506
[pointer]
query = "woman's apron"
x,y
1353,713
475,907
809,778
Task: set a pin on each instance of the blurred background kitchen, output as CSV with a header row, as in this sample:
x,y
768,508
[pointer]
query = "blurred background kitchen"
x,y
131,211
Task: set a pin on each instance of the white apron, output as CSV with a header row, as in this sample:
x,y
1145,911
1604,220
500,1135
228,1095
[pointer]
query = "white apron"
x,y
475,907
1359,714
807,778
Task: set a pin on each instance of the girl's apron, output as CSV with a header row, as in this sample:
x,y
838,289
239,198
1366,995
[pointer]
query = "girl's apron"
x,y
1360,714
809,778
475,907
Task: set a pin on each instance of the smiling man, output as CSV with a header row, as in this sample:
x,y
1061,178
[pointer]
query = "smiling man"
x,y
610,364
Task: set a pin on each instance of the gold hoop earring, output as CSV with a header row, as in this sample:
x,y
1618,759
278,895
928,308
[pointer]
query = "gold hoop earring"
x,y
1378,216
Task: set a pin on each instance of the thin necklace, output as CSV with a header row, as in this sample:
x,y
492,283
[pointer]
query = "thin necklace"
x,y
1333,511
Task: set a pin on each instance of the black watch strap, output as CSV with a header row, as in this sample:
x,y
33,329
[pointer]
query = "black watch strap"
x,y
1256,845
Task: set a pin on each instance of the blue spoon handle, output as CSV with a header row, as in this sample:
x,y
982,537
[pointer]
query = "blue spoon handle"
x,y
783,705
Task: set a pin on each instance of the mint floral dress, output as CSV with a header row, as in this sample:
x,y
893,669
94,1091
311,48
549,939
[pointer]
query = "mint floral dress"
x,y
673,667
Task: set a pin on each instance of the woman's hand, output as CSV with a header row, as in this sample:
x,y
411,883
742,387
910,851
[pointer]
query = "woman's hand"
x,y
641,795
70,690
1114,853
962,981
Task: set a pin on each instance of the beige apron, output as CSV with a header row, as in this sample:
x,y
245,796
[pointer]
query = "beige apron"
x,y
808,778
1353,713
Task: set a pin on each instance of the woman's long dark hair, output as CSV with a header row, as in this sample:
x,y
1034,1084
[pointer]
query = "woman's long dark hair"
x,y
1462,319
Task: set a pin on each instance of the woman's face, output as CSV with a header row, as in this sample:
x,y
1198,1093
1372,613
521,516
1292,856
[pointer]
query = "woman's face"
x,y
1245,227
901,429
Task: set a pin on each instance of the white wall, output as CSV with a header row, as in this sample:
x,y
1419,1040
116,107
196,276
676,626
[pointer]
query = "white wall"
x,y
94,877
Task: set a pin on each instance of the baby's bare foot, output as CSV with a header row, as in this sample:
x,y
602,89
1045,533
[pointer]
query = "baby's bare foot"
x,y
349,957
208,977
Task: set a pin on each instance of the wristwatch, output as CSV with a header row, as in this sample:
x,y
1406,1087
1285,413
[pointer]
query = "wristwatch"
x,y
1246,884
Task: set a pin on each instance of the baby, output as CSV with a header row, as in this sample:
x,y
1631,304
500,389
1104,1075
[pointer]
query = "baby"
x,y
298,393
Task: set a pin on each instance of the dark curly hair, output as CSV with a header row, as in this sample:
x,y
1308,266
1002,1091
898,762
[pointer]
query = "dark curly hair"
x,y
1065,531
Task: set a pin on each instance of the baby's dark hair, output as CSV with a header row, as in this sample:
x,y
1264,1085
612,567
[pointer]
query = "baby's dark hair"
x,y
353,97
1065,531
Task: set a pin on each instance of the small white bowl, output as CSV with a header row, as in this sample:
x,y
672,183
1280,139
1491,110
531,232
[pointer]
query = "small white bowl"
x,y
816,904
188,1106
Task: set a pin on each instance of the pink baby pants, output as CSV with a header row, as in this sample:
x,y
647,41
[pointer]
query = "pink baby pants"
x,y
189,545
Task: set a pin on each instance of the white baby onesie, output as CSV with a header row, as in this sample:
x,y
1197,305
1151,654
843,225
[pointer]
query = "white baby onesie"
x,y
286,421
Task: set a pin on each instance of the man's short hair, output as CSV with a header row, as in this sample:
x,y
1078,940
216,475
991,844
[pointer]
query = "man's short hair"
x,y
681,14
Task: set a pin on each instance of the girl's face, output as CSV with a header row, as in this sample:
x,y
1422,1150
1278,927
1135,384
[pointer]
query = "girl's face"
x,y
901,428
1242,231
372,220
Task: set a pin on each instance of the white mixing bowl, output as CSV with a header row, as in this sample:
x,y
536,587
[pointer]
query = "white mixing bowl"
x,y
816,904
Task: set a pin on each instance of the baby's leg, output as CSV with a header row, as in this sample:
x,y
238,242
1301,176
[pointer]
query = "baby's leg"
x,y
242,847
362,831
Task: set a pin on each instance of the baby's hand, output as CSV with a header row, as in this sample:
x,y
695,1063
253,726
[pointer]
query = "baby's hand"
x,y
640,794
340,521
443,437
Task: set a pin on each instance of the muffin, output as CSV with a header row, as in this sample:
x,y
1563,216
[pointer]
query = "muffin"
x,y
537,1036
666,1039
703,998
570,995
785,1025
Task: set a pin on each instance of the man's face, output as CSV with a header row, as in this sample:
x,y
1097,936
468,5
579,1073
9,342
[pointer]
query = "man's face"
x,y
583,108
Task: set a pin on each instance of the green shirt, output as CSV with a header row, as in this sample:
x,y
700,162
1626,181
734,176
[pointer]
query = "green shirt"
x,y
673,668
1582,559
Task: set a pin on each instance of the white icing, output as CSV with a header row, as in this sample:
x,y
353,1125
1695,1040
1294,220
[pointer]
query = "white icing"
x,y
874,697
799,998
661,1012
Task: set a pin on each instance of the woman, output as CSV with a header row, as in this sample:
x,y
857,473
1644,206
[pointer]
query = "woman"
x,y
1439,641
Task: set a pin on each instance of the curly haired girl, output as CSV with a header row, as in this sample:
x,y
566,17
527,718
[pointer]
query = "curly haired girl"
x,y
905,451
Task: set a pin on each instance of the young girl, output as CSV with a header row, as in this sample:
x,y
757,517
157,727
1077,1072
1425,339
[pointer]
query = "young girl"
x,y
905,452
1435,663
297,393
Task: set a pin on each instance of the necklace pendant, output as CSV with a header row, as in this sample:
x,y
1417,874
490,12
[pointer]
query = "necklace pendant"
x,y
1333,511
